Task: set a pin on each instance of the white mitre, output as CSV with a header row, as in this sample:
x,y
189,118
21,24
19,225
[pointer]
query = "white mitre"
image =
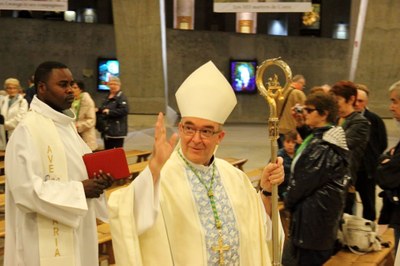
x,y
206,94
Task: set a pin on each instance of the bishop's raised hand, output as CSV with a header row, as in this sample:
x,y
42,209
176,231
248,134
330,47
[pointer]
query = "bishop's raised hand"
x,y
162,148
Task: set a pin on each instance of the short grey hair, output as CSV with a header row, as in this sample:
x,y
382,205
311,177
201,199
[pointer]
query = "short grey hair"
x,y
115,79
12,81
395,87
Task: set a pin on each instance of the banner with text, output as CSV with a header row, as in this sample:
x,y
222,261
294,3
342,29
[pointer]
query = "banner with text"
x,y
34,5
273,6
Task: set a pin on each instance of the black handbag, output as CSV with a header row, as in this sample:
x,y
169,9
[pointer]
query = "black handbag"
x,y
101,122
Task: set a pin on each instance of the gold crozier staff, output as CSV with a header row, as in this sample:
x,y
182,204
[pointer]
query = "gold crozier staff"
x,y
271,94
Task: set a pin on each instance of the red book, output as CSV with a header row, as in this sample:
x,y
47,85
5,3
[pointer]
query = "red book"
x,y
111,161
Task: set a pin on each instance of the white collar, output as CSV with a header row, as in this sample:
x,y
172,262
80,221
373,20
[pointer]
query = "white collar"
x,y
66,117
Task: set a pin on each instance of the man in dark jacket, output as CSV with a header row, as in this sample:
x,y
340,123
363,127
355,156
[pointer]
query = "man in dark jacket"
x,y
388,173
377,144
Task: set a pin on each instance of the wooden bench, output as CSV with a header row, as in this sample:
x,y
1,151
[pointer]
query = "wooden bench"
x,y
255,177
2,200
2,235
2,179
136,168
2,228
105,243
2,154
383,257
236,162
141,155
2,172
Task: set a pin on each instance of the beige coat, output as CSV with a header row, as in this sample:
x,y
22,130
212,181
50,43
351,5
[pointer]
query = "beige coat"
x,y
86,121
287,122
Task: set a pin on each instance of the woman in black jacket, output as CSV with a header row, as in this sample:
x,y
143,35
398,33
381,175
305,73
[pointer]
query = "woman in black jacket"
x,y
356,128
114,113
317,186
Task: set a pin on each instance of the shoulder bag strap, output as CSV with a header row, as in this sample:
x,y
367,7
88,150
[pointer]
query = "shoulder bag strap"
x,y
285,102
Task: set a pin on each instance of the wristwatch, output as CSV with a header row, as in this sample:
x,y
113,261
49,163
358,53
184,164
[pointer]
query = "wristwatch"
x,y
266,193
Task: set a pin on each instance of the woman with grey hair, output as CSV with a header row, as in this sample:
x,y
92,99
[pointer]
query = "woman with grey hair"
x,y
13,106
114,113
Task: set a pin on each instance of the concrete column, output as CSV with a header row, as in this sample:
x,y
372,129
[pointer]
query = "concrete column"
x,y
379,59
140,44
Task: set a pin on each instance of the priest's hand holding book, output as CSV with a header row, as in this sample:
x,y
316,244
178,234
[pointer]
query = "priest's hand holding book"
x,y
103,167
94,187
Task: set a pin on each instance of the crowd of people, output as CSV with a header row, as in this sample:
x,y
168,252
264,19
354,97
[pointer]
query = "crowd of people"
x,y
113,112
188,205
326,170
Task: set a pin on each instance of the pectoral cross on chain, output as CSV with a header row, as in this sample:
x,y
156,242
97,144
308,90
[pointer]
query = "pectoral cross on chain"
x,y
221,248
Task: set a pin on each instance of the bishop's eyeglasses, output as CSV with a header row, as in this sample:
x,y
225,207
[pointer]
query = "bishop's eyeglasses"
x,y
190,130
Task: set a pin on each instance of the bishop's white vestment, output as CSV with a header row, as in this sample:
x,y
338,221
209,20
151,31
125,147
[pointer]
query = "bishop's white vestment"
x,y
168,223
29,193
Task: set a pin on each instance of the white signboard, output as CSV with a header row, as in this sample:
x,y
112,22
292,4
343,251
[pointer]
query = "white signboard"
x,y
226,6
34,5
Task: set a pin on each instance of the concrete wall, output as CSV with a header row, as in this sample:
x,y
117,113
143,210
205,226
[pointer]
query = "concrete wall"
x,y
320,60
24,43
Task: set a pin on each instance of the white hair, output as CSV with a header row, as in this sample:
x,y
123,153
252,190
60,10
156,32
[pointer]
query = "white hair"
x,y
395,87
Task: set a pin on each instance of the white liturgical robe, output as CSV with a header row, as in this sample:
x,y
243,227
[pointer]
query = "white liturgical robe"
x,y
28,193
160,224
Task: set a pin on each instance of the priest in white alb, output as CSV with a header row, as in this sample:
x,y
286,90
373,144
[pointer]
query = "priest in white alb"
x,y
189,207
51,205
